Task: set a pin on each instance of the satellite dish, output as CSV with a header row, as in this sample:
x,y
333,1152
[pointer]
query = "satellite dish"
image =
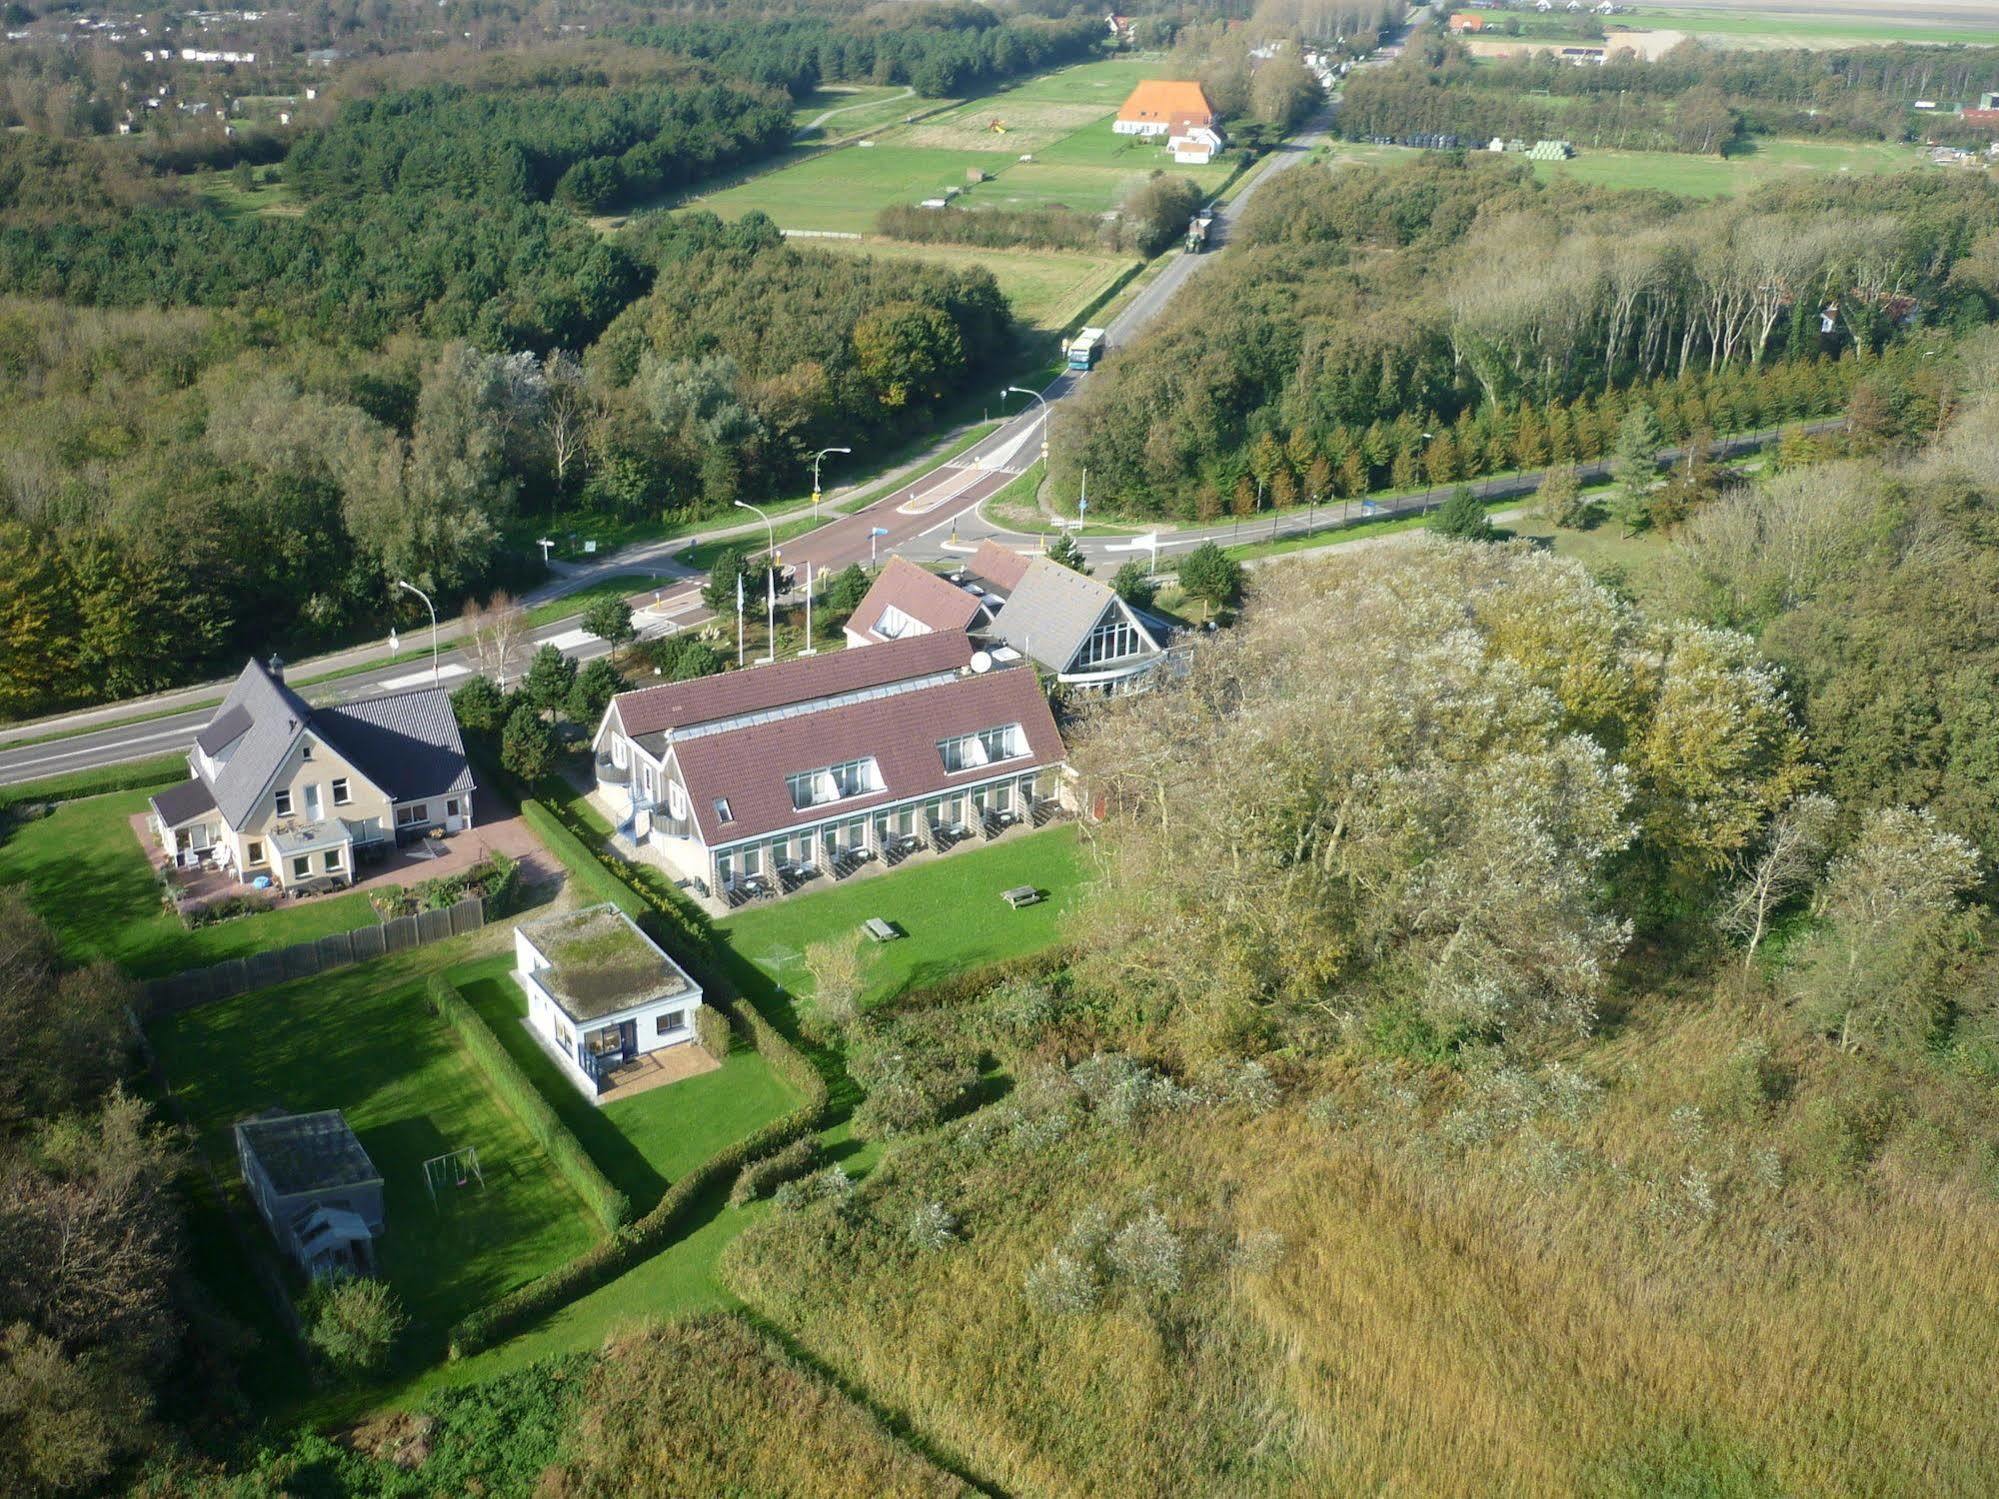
x,y
981,661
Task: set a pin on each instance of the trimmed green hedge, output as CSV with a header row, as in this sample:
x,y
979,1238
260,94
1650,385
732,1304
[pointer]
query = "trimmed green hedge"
x,y
522,1099
713,1031
669,919
637,1241
761,1178
139,775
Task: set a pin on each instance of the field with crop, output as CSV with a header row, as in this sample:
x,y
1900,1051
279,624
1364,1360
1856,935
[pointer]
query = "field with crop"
x,y
1832,23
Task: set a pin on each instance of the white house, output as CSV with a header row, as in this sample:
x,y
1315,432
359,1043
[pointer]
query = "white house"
x,y
1194,145
1070,625
601,993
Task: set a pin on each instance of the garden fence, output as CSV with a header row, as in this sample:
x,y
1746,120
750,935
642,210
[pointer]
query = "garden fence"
x,y
200,986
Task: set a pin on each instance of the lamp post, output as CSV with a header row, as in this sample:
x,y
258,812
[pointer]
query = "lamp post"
x,y
1021,390
433,623
770,578
815,475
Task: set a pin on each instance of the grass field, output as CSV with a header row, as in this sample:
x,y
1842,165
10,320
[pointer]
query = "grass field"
x,y
1047,288
88,879
1827,26
1062,119
832,113
362,1040
268,197
949,910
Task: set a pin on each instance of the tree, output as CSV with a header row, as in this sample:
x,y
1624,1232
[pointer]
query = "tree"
x,y
595,686
908,352
840,968
1888,908
1064,552
1561,500
610,620
1786,863
62,1032
1634,464
550,677
1211,575
480,706
354,1323
844,591
497,635
681,658
1462,517
565,412
719,593
1133,583
527,746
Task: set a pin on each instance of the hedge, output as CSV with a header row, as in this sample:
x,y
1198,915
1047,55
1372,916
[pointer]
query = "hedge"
x,y
761,1178
672,921
637,1241
713,1031
138,775
524,1100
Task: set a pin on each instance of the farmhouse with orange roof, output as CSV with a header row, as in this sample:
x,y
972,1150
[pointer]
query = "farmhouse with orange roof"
x,y
1160,107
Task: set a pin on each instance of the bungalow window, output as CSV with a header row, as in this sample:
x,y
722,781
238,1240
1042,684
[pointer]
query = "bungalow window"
x,y
669,1022
342,792
282,801
419,812
253,852
302,867
451,807
618,751
331,860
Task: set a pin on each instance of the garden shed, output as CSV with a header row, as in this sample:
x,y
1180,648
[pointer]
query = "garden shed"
x,y
315,1186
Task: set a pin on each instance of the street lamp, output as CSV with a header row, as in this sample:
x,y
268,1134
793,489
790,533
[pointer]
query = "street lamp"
x,y
433,623
815,475
770,577
1021,390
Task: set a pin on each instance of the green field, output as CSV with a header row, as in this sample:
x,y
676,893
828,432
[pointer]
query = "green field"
x,y
364,1041
1047,288
88,879
833,113
1753,163
1062,119
1745,26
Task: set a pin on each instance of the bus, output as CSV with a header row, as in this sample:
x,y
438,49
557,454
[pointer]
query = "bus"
x,y
1085,349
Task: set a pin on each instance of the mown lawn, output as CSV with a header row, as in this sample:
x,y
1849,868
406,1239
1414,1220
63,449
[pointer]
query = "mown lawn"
x,y
1046,288
645,1143
89,880
1756,162
364,1041
948,909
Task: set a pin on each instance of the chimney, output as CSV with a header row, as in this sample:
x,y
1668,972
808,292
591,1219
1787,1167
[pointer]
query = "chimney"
x,y
276,666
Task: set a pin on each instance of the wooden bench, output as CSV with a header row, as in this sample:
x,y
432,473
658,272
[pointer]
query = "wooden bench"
x,y
880,930
1021,895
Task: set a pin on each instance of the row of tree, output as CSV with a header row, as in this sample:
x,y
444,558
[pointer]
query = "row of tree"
x,y
1507,293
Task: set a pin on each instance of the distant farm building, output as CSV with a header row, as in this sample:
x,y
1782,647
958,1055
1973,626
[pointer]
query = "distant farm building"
x,y
1157,106
1463,22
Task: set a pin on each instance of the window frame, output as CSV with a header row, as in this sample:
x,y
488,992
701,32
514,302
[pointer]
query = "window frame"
x,y
281,801
343,791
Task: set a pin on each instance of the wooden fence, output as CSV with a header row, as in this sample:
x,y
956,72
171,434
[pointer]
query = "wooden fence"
x,y
200,986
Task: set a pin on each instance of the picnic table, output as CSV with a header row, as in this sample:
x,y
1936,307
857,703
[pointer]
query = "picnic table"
x,y
880,930
1021,895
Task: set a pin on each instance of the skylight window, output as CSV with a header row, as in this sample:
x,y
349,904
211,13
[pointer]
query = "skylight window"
x,y
722,812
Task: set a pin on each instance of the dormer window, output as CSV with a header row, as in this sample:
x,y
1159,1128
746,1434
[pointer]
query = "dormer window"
x,y
987,747
817,788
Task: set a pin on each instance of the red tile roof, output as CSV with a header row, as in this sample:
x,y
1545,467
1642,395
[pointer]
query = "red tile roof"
x,y
749,766
918,593
998,564
678,704
1164,99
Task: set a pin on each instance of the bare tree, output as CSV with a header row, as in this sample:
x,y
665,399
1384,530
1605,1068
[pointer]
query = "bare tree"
x,y
496,634
1786,866
565,411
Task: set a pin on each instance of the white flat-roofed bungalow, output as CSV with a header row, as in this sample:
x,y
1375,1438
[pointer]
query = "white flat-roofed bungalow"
x,y
601,993
745,783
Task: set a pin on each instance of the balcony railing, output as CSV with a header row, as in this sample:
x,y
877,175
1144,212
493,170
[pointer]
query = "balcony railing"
x,y
611,774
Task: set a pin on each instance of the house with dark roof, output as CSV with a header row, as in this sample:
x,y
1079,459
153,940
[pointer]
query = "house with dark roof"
x,y
750,782
281,791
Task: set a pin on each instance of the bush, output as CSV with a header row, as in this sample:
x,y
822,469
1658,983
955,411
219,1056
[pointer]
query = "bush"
x,y
525,1102
1211,575
141,775
760,1178
480,707
912,1083
682,658
831,1185
1462,517
712,1032
353,1324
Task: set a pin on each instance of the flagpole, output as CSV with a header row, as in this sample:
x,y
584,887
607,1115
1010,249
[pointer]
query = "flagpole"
x,y
770,605
739,621
810,649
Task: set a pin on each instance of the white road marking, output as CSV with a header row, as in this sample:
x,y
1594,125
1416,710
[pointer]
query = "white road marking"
x,y
445,672
568,640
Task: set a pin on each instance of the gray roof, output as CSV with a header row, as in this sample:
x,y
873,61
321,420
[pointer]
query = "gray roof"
x,y
306,1152
1051,612
183,803
275,714
407,743
224,729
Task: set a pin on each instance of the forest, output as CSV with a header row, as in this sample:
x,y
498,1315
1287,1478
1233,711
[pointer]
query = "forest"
x,y
1454,317
1695,99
